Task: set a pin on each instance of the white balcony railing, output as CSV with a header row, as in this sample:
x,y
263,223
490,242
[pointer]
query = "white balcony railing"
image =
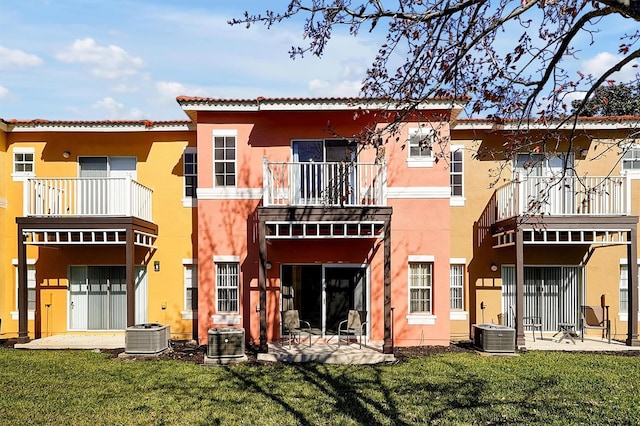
x,y
87,197
327,184
563,196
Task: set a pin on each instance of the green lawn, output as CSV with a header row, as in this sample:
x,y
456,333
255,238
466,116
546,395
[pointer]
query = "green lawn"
x,y
83,387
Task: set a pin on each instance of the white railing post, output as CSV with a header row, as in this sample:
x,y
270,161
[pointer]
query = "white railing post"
x,y
266,181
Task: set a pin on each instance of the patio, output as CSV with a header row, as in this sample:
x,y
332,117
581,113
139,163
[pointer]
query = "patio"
x,y
591,343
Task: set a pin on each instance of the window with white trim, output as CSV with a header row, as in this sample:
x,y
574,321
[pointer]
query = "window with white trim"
x,y
227,285
31,288
23,163
190,172
624,290
190,287
456,171
420,287
224,159
456,287
631,158
421,143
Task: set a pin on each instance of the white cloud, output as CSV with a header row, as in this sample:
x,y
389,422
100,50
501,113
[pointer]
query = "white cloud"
x,y
169,90
107,62
117,111
603,61
4,92
17,59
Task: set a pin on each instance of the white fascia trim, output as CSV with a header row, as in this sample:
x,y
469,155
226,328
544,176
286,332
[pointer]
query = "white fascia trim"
x,y
225,258
421,192
228,319
3,203
458,261
422,258
458,315
229,193
421,319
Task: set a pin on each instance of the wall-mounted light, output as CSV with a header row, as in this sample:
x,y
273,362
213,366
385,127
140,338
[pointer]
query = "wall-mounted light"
x,y
494,267
156,266
584,152
268,264
66,154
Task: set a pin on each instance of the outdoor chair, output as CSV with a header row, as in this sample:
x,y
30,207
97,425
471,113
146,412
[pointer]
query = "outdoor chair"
x,y
293,326
354,325
532,322
595,317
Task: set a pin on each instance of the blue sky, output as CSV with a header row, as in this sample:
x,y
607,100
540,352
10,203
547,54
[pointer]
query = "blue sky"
x,y
129,59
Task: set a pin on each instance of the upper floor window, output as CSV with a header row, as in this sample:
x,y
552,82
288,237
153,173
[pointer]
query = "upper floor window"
x,y
631,158
544,164
456,171
224,158
420,287
190,172
420,146
23,163
101,167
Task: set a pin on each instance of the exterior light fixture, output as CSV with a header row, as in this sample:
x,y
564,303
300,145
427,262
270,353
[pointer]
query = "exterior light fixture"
x,y
66,154
494,267
156,266
268,264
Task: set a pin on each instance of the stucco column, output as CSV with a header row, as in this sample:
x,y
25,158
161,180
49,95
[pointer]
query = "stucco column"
x,y
388,343
519,288
262,283
632,282
23,306
130,277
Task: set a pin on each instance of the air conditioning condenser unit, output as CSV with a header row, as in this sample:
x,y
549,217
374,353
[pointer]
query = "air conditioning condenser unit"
x,y
225,344
494,338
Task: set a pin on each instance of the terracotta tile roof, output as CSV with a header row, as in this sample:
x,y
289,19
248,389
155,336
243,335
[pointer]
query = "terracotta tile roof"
x,y
88,125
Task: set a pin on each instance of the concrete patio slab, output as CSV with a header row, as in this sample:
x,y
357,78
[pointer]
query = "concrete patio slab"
x,y
76,341
324,353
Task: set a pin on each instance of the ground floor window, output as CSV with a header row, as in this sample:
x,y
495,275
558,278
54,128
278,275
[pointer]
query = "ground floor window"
x,y
31,291
227,286
420,287
624,290
456,287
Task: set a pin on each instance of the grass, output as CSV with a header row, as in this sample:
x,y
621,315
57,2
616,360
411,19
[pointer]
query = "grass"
x,y
83,387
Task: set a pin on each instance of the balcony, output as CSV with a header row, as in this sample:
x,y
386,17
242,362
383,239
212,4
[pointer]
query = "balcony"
x,y
84,197
329,184
563,196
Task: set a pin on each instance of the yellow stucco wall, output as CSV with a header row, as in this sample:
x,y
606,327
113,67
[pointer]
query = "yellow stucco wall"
x,y
159,167
480,174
